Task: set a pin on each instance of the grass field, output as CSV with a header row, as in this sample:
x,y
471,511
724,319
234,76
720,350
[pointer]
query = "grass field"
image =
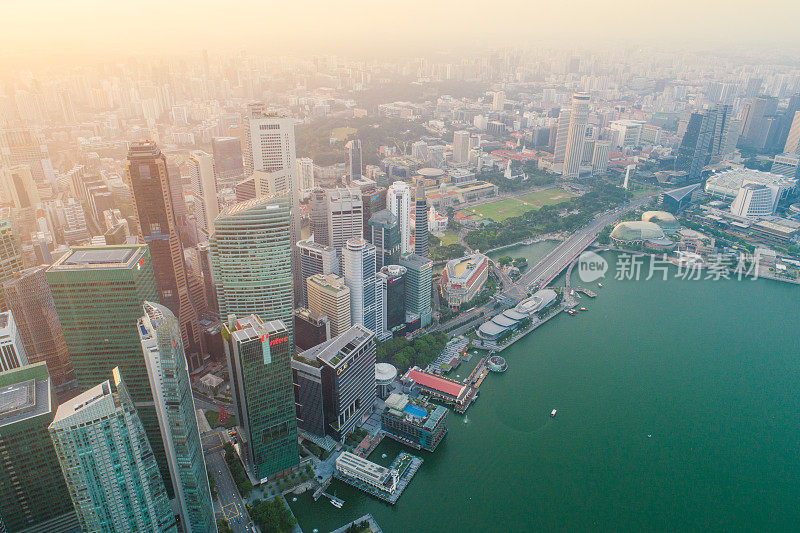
x,y
340,134
642,190
449,237
514,207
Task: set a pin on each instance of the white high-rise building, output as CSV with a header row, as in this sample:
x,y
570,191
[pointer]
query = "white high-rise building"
x,y
201,170
270,147
398,200
342,218
561,135
578,121
755,200
461,147
627,133
12,352
359,276
602,149
498,101
305,173
381,330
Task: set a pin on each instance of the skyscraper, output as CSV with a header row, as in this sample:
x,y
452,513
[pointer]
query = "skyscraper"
x,y
251,260
792,145
329,295
421,246
305,174
355,166
24,146
10,256
398,200
579,120
201,171
562,133
108,464
152,199
29,297
418,286
754,129
168,371
359,274
228,164
12,351
383,231
315,259
706,140
98,292
270,147
395,297
19,187
318,217
602,149
374,199
461,147
334,383
337,215
259,354
32,489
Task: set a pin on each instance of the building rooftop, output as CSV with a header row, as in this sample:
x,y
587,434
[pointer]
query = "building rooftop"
x,y
384,216
334,352
637,230
379,474
443,385
329,282
101,257
414,260
385,372
729,181
460,271
252,327
83,400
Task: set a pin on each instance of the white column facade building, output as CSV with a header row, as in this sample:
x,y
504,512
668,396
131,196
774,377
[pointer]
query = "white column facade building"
x,y
398,200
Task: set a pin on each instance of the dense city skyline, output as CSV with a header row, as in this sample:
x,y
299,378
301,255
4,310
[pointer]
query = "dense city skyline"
x,y
258,262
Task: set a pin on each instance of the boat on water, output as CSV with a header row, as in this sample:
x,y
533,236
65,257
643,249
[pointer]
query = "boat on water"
x,y
600,285
337,503
584,309
553,413
466,419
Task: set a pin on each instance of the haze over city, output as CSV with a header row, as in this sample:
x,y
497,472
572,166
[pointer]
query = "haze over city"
x,y
431,266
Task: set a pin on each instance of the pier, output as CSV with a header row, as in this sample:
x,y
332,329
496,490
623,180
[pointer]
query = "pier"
x,y
406,466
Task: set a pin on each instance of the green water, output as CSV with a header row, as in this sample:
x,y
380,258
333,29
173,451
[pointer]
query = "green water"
x,y
532,252
710,368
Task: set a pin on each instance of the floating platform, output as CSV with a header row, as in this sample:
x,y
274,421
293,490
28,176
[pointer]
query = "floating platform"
x,y
406,465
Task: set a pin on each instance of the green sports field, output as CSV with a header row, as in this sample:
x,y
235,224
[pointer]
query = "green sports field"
x,y
514,207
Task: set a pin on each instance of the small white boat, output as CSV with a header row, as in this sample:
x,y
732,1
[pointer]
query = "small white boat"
x,y
553,413
600,285
466,419
337,503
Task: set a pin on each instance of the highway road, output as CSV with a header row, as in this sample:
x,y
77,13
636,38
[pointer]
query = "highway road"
x,y
233,506
548,268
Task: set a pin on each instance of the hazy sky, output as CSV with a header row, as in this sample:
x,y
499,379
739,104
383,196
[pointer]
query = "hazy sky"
x,y
178,26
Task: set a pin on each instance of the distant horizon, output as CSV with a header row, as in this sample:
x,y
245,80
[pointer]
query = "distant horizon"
x,y
360,28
